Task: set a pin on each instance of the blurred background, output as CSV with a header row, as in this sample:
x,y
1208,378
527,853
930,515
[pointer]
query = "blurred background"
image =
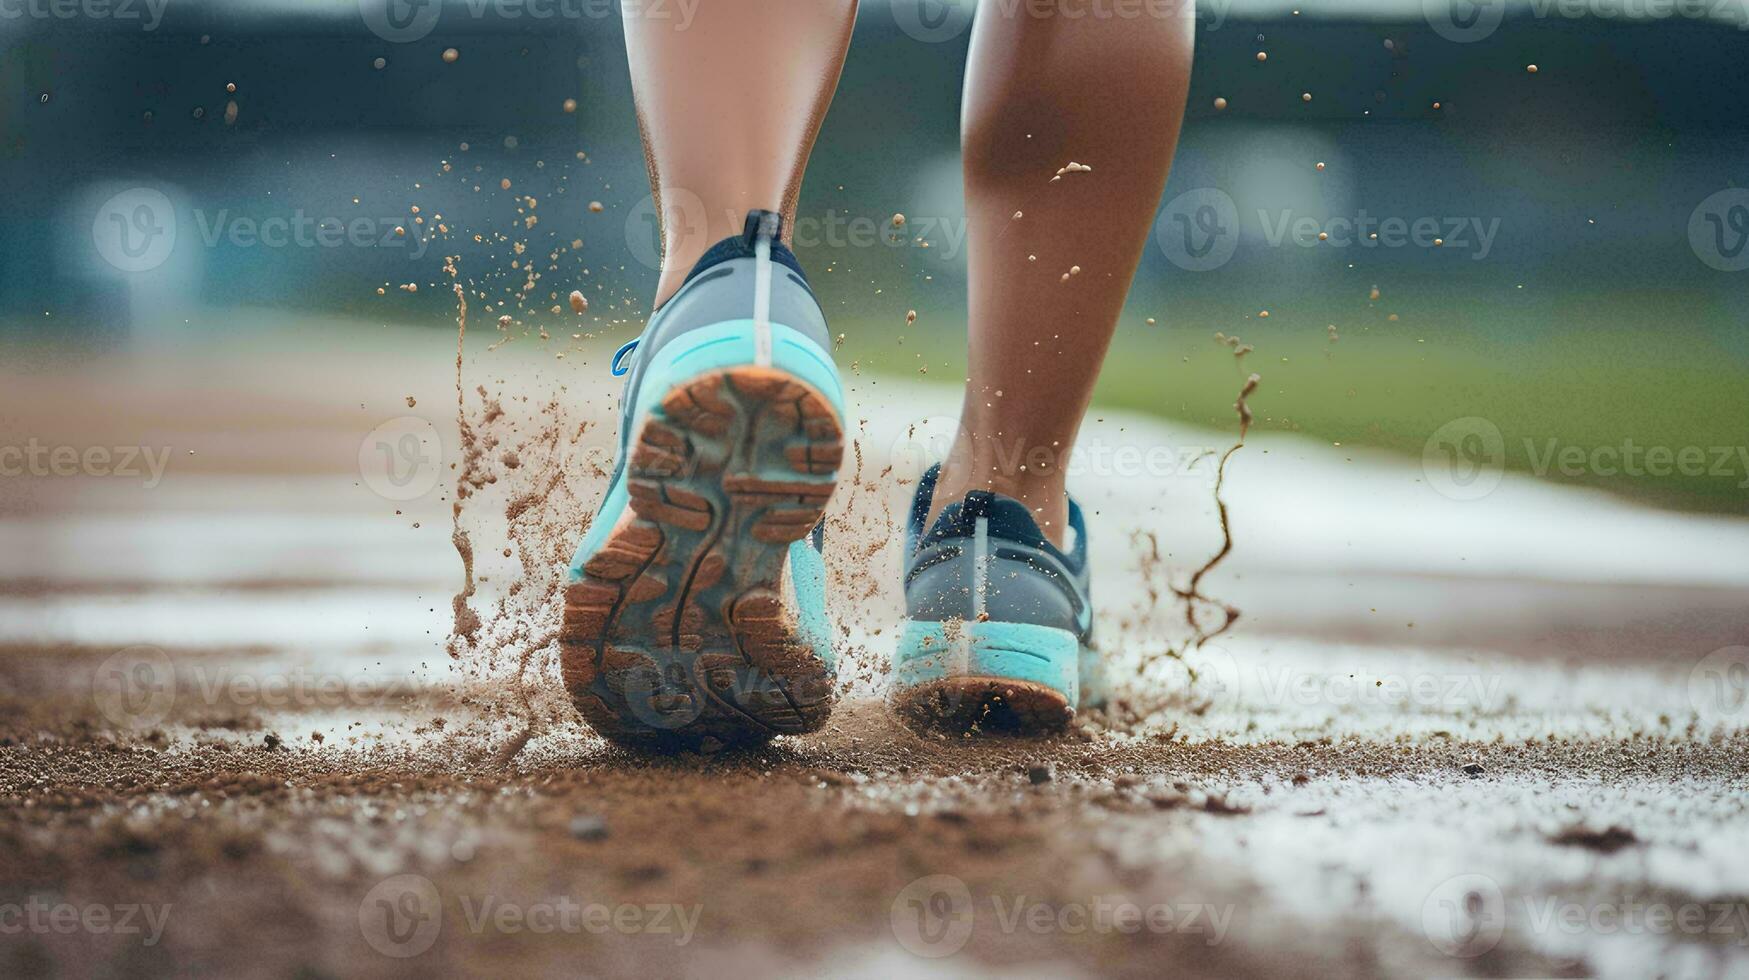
x,y
179,171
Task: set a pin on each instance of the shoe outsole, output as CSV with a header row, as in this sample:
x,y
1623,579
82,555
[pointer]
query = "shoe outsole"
x,y
677,631
1001,705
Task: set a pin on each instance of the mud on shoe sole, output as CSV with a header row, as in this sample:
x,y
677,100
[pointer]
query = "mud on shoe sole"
x,y
677,630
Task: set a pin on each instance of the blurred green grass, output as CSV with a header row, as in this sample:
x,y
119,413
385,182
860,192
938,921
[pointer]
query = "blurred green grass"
x,y
1558,371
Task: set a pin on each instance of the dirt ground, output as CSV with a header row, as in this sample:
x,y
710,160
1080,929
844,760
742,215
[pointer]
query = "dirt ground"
x,y
1492,737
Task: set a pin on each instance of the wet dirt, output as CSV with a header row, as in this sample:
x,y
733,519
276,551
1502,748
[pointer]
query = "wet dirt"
x,y
308,783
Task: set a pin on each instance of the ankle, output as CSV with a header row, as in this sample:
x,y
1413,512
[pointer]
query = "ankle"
x,y
1043,494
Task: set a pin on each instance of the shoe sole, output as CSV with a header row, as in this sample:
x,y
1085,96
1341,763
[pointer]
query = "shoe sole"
x,y
677,630
1007,678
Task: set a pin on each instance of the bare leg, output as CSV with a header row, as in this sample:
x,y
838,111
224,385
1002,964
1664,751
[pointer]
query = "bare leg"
x,y
730,104
1041,93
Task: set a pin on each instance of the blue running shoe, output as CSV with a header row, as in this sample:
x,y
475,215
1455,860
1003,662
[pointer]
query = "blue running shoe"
x,y
999,624
695,606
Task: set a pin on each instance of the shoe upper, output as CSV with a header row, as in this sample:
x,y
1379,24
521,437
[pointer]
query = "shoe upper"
x,y
986,558
724,285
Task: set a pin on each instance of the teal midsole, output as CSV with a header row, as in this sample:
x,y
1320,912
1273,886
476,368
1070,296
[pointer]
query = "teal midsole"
x,y
931,651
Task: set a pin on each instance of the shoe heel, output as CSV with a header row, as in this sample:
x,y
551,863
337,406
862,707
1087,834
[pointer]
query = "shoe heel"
x,y
992,676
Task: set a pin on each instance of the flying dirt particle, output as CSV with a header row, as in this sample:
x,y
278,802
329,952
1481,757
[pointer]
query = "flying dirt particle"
x,y
1032,258
1074,270
412,402
1333,337
1305,96
271,741
1065,278
1323,236
1530,68
200,112
1150,321
1390,45
1039,775
380,64
505,183
1438,242
1436,105
1262,56
400,231
1220,104
1474,769
381,291
898,221
1320,165
1017,216
1075,168
231,87
505,321
1392,318
910,317
570,105
1262,314
579,302
595,207
1374,294
451,56
411,287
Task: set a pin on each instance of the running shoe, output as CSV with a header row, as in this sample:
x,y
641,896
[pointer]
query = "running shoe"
x,y
998,635
695,606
